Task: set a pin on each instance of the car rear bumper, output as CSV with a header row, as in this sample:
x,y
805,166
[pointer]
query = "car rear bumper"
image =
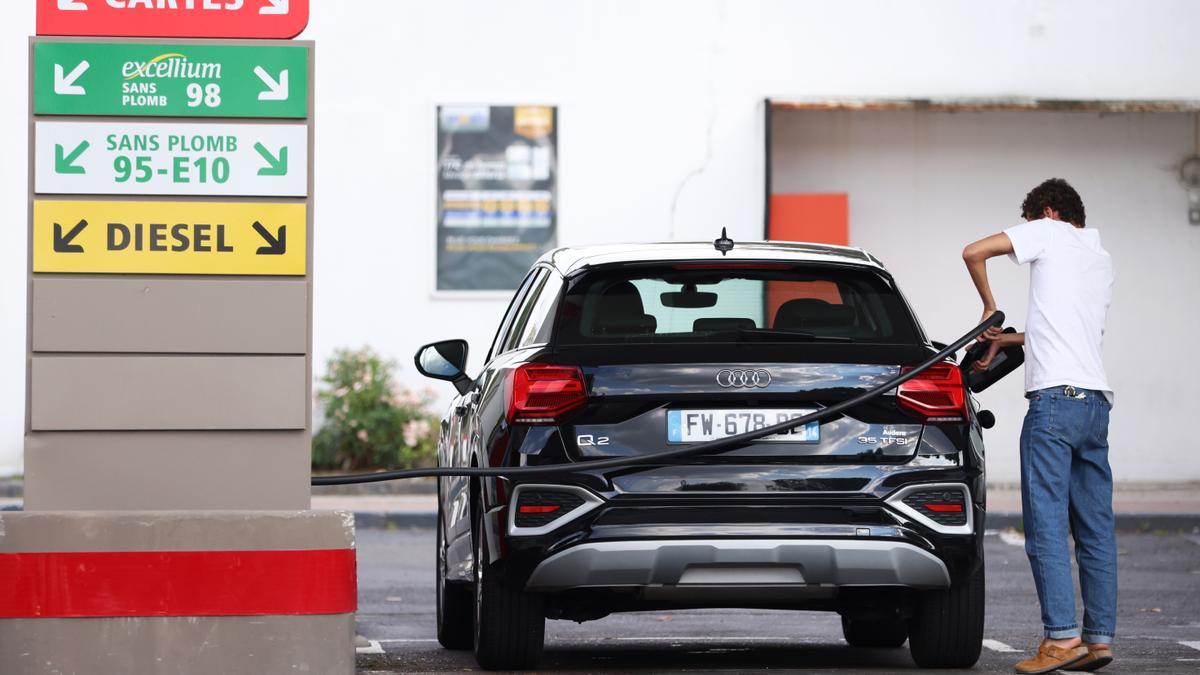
x,y
732,563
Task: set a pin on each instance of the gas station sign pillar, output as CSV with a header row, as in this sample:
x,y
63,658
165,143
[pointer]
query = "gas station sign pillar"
x,y
168,395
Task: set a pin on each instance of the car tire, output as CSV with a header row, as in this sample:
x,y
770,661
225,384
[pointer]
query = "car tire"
x,y
510,623
946,630
455,601
875,633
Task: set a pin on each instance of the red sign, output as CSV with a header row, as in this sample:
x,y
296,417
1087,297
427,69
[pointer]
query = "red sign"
x,y
173,18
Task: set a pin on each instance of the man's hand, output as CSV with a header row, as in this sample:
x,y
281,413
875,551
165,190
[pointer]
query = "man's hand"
x,y
992,333
997,343
985,362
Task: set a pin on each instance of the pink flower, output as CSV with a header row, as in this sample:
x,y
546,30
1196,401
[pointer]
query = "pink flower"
x,y
415,432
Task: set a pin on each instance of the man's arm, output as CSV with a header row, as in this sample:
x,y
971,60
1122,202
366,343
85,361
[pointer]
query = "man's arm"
x,y
1000,342
975,255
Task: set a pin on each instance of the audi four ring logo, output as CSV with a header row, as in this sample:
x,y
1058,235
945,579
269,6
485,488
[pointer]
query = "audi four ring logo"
x,y
745,379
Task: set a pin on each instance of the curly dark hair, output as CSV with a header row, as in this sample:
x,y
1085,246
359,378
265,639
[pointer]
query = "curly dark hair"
x,y
1057,194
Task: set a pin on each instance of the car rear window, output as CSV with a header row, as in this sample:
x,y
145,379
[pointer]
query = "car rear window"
x,y
736,302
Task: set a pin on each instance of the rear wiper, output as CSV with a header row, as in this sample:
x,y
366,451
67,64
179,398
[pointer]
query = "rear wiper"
x,y
791,335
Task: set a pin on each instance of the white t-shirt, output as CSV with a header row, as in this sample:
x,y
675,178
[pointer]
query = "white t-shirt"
x,y
1070,289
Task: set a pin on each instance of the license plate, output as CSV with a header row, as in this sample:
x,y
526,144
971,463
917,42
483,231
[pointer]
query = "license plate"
x,y
697,426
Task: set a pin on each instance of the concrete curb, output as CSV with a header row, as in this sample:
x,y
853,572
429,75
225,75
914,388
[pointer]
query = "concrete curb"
x,y
1126,522
376,520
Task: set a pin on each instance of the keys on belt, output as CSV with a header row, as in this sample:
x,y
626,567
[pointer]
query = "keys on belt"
x,y
1069,391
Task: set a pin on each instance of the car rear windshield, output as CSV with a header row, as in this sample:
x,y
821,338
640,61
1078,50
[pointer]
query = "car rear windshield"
x,y
713,302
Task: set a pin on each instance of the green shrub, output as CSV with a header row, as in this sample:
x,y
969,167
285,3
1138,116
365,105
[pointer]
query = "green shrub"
x,y
371,421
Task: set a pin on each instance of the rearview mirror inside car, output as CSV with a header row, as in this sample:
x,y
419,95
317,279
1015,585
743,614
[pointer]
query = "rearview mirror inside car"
x,y
688,298
445,360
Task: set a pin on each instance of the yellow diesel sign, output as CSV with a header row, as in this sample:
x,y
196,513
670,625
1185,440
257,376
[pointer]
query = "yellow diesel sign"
x,y
169,238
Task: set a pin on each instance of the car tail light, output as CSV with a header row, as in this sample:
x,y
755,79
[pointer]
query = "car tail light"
x,y
734,266
536,508
539,509
936,395
542,394
942,507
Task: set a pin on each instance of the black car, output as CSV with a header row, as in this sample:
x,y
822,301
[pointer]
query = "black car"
x,y
622,351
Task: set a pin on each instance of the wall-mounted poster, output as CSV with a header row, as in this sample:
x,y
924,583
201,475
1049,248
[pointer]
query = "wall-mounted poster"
x,y
497,194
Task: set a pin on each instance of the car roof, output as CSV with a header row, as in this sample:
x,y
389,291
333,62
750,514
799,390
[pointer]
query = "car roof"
x,y
573,259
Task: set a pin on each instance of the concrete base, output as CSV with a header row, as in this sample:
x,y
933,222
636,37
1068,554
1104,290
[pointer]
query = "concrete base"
x,y
230,645
230,592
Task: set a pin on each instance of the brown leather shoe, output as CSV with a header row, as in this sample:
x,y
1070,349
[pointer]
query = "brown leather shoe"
x,y
1098,657
1050,657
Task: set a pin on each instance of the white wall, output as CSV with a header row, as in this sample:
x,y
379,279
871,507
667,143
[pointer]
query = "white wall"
x,y
16,22
922,185
661,131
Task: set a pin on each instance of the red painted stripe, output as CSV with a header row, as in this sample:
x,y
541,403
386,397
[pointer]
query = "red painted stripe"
x,y
177,583
101,18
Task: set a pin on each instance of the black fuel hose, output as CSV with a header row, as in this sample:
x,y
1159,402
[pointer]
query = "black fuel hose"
x,y
710,447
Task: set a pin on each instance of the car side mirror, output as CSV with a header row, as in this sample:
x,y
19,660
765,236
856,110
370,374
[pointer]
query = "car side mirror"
x,y
445,360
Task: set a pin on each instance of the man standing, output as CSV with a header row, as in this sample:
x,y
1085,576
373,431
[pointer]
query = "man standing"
x,y
1065,476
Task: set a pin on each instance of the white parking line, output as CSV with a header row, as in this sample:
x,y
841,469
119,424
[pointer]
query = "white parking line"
x,y
755,638
1194,644
1012,537
994,645
998,646
639,638
373,648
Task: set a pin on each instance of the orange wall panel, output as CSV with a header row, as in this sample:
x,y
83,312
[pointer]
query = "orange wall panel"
x,y
822,218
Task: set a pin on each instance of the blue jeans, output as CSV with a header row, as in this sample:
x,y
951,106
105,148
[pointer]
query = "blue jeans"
x,y
1065,478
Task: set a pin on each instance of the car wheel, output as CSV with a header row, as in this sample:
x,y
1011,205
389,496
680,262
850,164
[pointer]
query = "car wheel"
x,y
946,630
510,624
455,604
889,633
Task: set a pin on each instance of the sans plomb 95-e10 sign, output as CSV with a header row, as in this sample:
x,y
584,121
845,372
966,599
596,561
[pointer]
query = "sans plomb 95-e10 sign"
x,y
168,158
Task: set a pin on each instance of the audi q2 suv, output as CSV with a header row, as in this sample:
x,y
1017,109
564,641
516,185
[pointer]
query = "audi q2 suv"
x,y
623,351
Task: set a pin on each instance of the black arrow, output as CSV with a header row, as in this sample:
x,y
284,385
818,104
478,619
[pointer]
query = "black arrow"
x,y
63,244
275,246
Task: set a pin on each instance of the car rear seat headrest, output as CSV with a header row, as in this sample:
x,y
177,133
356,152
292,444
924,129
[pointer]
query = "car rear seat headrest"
x,y
808,313
619,311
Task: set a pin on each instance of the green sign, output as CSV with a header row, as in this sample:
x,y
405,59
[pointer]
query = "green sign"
x,y
176,80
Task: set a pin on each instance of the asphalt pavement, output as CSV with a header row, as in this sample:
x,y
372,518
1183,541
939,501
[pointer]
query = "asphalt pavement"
x,y
1159,620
